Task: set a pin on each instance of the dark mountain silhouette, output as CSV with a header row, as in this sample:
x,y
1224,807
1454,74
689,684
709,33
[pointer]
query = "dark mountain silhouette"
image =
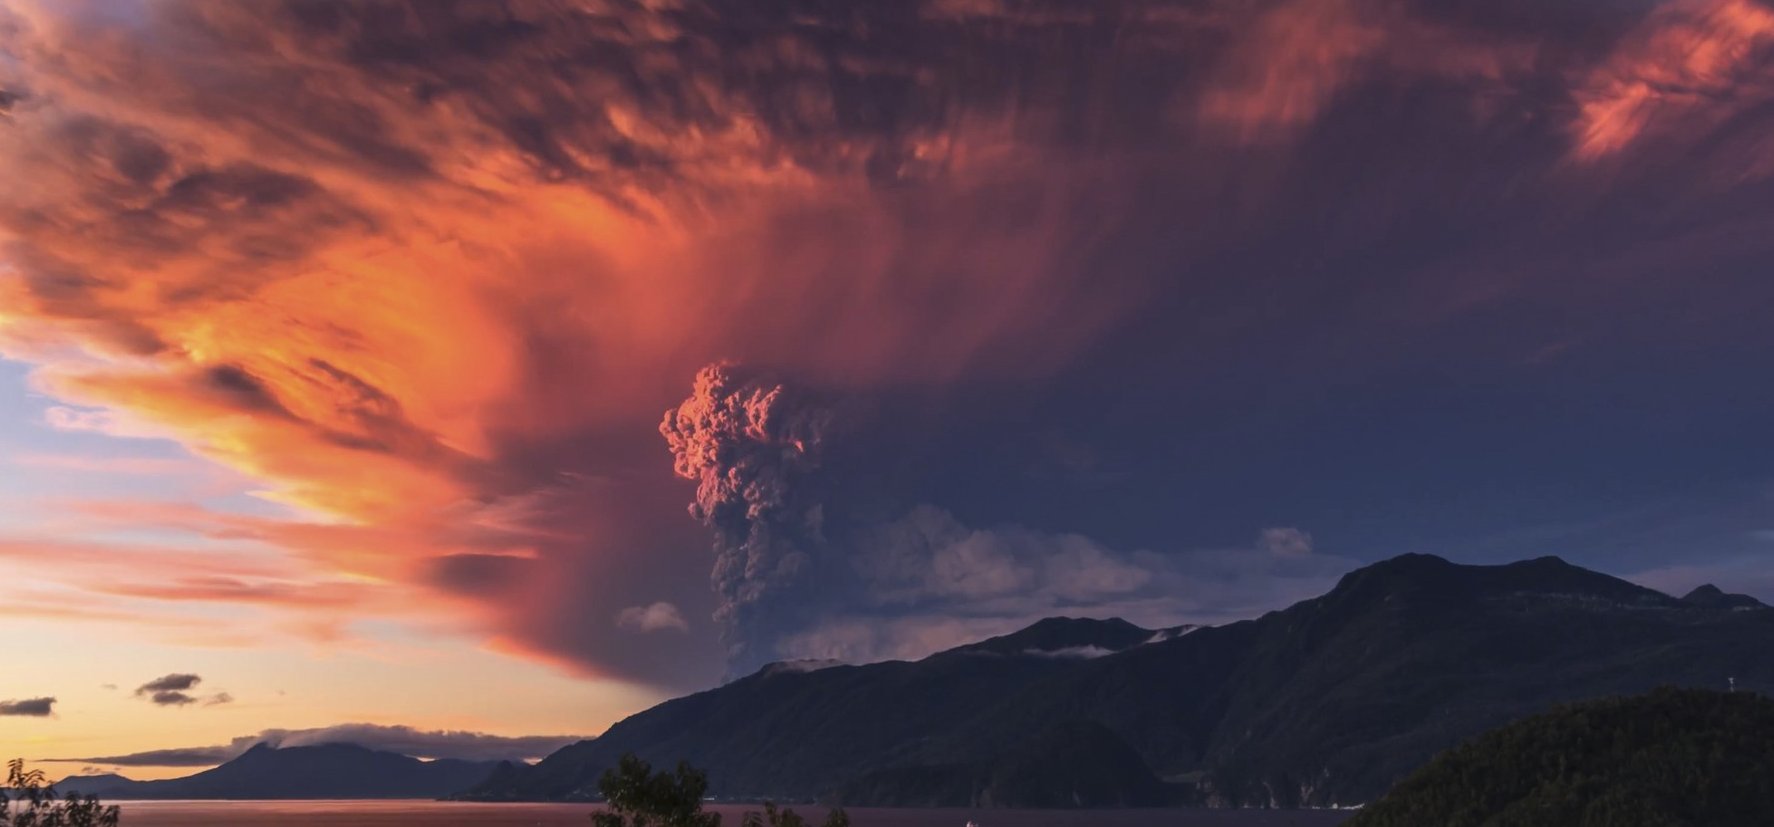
x,y
1072,637
1074,764
1712,597
1670,757
325,771
103,782
1330,701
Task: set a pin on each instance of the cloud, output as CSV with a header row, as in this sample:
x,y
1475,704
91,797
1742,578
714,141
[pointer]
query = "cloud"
x,y
169,683
428,744
29,707
805,569
107,422
134,466
1285,542
1293,62
930,556
808,564
175,690
230,590
241,236
437,320
1691,65
193,757
169,590
652,618
927,582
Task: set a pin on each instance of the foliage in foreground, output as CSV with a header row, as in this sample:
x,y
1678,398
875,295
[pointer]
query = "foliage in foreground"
x,y
773,817
1671,758
636,796
30,801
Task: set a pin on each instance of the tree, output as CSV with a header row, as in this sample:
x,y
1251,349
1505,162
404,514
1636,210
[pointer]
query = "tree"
x,y
638,797
33,803
784,817
1671,757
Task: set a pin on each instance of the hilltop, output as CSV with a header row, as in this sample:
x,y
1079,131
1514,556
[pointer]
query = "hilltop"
x,y
1668,758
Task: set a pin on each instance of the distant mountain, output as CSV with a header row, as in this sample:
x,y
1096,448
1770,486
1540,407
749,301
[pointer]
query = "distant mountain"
x,y
1672,757
107,785
1328,702
1073,637
1712,597
325,771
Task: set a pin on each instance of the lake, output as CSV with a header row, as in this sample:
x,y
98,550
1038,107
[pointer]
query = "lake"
x,y
457,814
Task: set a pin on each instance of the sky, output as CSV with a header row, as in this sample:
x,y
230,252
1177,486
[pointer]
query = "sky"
x,y
463,377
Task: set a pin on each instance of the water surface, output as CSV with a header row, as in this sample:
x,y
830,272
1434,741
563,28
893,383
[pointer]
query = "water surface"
x,y
461,814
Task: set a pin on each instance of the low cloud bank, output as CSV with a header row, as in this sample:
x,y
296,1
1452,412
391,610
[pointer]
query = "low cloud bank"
x,y
428,744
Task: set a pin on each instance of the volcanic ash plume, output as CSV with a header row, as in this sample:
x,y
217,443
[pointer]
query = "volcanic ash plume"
x,y
749,443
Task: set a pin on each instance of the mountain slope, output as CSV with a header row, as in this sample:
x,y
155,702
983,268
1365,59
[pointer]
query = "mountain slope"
x,y
1331,700
1671,757
1712,597
1073,764
325,771
1327,702
782,732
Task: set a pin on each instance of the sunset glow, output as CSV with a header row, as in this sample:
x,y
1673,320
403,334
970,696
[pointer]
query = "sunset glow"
x,y
337,337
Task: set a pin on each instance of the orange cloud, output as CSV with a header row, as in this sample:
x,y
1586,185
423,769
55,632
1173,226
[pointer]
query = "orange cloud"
x,y
1688,68
1290,62
429,274
374,283
179,591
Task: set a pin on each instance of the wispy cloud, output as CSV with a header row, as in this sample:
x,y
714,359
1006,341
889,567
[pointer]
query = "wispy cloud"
x,y
120,465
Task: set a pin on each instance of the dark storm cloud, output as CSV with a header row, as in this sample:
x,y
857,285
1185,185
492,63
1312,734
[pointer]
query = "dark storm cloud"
x,y
488,575
1394,273
28,707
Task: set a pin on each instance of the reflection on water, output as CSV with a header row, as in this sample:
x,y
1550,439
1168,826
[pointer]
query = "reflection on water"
x,y
453,814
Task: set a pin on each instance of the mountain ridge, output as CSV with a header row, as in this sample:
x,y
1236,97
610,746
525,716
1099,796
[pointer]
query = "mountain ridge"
x,y
1326,702
1710,596
346,771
